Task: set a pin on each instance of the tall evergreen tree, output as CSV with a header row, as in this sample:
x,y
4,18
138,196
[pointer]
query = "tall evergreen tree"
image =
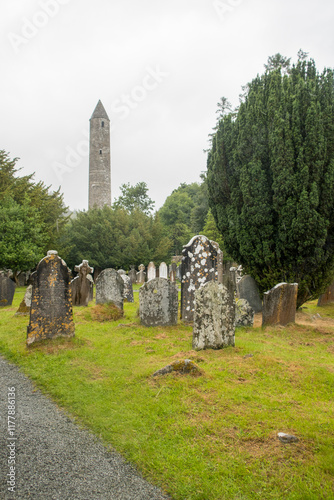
x,y
271,178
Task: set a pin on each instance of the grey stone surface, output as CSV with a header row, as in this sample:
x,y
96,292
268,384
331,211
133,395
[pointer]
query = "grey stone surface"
x,y
248,289
163,270
279,304
244,313
24,307
110,288
21,279
172,271
198,266
128,290
181,366
151,271
7,289
327,297
133,275
158,303
214,319
51,302
287,438
81,285
141,275
99,159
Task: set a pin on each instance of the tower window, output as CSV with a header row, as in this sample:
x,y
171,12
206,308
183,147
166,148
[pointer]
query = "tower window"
x,y
102,124
100,151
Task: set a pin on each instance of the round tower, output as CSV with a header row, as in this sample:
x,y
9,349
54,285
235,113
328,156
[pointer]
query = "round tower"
x,y
99,159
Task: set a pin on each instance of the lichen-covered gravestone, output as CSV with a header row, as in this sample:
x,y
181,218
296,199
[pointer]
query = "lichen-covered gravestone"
x,y
158,303
51,302
214,318
7,289
141,275
199,265
279,304
247,289
128,289
244,313
110,288
24,307
81,285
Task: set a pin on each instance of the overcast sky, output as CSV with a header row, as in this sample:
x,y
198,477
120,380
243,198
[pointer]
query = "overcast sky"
x,y
159,67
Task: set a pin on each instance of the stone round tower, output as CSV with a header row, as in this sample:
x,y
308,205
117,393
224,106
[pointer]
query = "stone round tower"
x,y
99,159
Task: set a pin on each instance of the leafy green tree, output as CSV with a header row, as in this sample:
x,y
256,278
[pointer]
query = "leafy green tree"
x,y
21,235
271,178
211,231
134,197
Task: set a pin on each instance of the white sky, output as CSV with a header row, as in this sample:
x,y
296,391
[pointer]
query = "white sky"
x,y
55,67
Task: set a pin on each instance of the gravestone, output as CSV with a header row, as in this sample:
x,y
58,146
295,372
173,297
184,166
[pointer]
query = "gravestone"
x,y
110,288
128,290
214,318
91,288
7,289
198,266
24,307
82,286
51,302
244,314
172,271
141,274
327,297
163,270
133,275
220,269
247,289
279,304
151,271
21,279
158,303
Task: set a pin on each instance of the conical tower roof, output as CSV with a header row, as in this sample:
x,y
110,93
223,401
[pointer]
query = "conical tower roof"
x,y
100,112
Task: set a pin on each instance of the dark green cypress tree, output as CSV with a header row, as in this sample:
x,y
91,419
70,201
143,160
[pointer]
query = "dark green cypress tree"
x,y
271,179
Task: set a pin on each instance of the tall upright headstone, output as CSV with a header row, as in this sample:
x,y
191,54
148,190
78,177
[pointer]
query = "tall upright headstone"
x,y
141,274
128,289
158,303
151,271
51,302
172,271
279,304
133,274
163,270
7,289
99,159
82,286
247,289
199,265
110,288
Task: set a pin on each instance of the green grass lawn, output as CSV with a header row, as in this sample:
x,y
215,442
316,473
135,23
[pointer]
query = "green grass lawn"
x,y
207,437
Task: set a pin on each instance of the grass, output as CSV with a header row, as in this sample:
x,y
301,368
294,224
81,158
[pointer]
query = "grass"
x,y
211,437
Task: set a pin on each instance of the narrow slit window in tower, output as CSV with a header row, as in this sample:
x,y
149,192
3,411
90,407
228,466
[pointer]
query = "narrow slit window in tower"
x,y
102,124
100,151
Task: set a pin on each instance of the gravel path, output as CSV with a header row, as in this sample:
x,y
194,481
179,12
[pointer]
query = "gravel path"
x,y
54,459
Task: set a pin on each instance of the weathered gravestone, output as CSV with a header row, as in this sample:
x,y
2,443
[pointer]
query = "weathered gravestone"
x,y
133,274
219,262
197,267
110,288
51,302
279,304
158,303
172,271
163,270
21,278
247,289
327,297
7,289
244,314
151,271
128,290
141,274
214,318
24,307
82,286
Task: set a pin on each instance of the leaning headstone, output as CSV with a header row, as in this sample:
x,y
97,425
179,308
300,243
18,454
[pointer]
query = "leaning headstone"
x,y
158,303
244,313
172,271
327,297
247,289
198,266
214,318
163,270
81,285
110,288
279,304
51,302
7,289
133,275
24,307
151,271
128,290
141,274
